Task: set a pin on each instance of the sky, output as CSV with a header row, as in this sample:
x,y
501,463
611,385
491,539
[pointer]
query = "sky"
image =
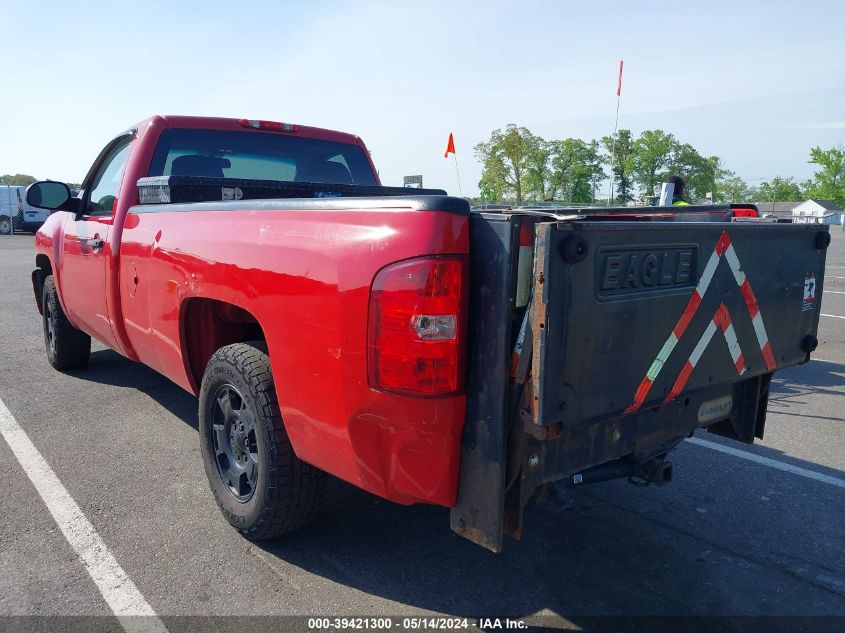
x,y
755,83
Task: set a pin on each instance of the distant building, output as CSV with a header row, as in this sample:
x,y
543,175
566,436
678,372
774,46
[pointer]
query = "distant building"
x,y
778,208
817,212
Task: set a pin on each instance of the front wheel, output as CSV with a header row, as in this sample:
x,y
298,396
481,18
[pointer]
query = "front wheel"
x,y
5,225
67,347
261,487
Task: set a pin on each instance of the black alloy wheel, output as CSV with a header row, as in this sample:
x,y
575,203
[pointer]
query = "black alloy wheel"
x,y
234,443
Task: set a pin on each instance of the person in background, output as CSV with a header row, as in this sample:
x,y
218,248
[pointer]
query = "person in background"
x,y
679,197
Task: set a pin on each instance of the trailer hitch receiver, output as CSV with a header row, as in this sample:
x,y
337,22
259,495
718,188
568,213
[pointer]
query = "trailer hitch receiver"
x,y
657,472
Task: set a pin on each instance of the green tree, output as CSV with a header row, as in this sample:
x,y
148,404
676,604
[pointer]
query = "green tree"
x,y
699,172
586,169
829,180
620,154
652,153
563,170
17,179
505,163
779,188
540,184
732,188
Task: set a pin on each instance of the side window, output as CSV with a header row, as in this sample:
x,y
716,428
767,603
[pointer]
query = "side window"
x,y
106,182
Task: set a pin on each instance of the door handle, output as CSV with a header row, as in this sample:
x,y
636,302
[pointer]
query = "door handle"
x,y
95,244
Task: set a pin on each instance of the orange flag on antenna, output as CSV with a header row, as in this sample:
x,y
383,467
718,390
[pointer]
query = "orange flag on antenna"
x,y
619,83
450,146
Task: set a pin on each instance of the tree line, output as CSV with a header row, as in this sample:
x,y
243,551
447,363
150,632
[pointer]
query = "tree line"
x,y
16,179
519,166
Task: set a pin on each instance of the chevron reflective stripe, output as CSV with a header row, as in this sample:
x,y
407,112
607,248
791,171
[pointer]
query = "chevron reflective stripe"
x,y
677,332
736,267
721,320
692,361
751,305
707,274
759,328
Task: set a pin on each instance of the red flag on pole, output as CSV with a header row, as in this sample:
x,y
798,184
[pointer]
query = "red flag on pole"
x,y
450,146
619,85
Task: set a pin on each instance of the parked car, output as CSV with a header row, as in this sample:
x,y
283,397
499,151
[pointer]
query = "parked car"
x,y
15,212
409,346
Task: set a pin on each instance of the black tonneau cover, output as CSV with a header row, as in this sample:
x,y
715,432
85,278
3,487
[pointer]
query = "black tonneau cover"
x,y
171,189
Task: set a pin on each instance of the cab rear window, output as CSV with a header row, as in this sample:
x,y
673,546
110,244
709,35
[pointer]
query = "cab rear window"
x,y
259,156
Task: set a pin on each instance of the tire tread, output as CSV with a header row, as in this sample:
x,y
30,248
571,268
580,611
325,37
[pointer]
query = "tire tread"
x,y
73,347
295,489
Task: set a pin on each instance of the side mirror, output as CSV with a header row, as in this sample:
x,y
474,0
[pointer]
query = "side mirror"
x,y
47,194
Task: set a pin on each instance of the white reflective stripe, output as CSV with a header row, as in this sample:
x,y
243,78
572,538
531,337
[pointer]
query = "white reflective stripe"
x,y
733,343
703,342
707,274
736,267
662,355
760,330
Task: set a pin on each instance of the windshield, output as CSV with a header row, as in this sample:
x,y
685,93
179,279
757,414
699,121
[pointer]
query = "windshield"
x,y
259,156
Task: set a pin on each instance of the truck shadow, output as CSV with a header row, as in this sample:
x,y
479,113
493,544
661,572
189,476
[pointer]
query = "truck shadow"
x,y
576,559
581,556
798,386
107,367
583,559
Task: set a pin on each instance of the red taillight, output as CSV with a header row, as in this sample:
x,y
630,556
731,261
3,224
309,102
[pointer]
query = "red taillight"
x,y
744,212
416,327
273,126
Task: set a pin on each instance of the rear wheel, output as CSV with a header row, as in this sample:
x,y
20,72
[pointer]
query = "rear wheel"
x,y
262,488
67,347
5,225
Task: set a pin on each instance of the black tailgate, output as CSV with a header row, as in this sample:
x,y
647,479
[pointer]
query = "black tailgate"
x,y
628,315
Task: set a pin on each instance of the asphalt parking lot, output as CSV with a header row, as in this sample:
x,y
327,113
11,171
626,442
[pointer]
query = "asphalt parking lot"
x,y
732,536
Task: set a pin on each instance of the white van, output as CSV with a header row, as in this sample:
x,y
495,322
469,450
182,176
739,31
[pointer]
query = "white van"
x,y
14,211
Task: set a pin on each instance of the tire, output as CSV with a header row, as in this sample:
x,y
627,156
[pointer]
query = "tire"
x,y
262,488
5,225
67,347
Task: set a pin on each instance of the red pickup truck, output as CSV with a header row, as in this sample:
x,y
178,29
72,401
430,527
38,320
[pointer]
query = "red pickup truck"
x,y
403,343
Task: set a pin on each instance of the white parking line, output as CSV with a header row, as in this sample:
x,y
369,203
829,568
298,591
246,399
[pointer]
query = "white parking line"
x,y
771,463
835,292
121,594
833,316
